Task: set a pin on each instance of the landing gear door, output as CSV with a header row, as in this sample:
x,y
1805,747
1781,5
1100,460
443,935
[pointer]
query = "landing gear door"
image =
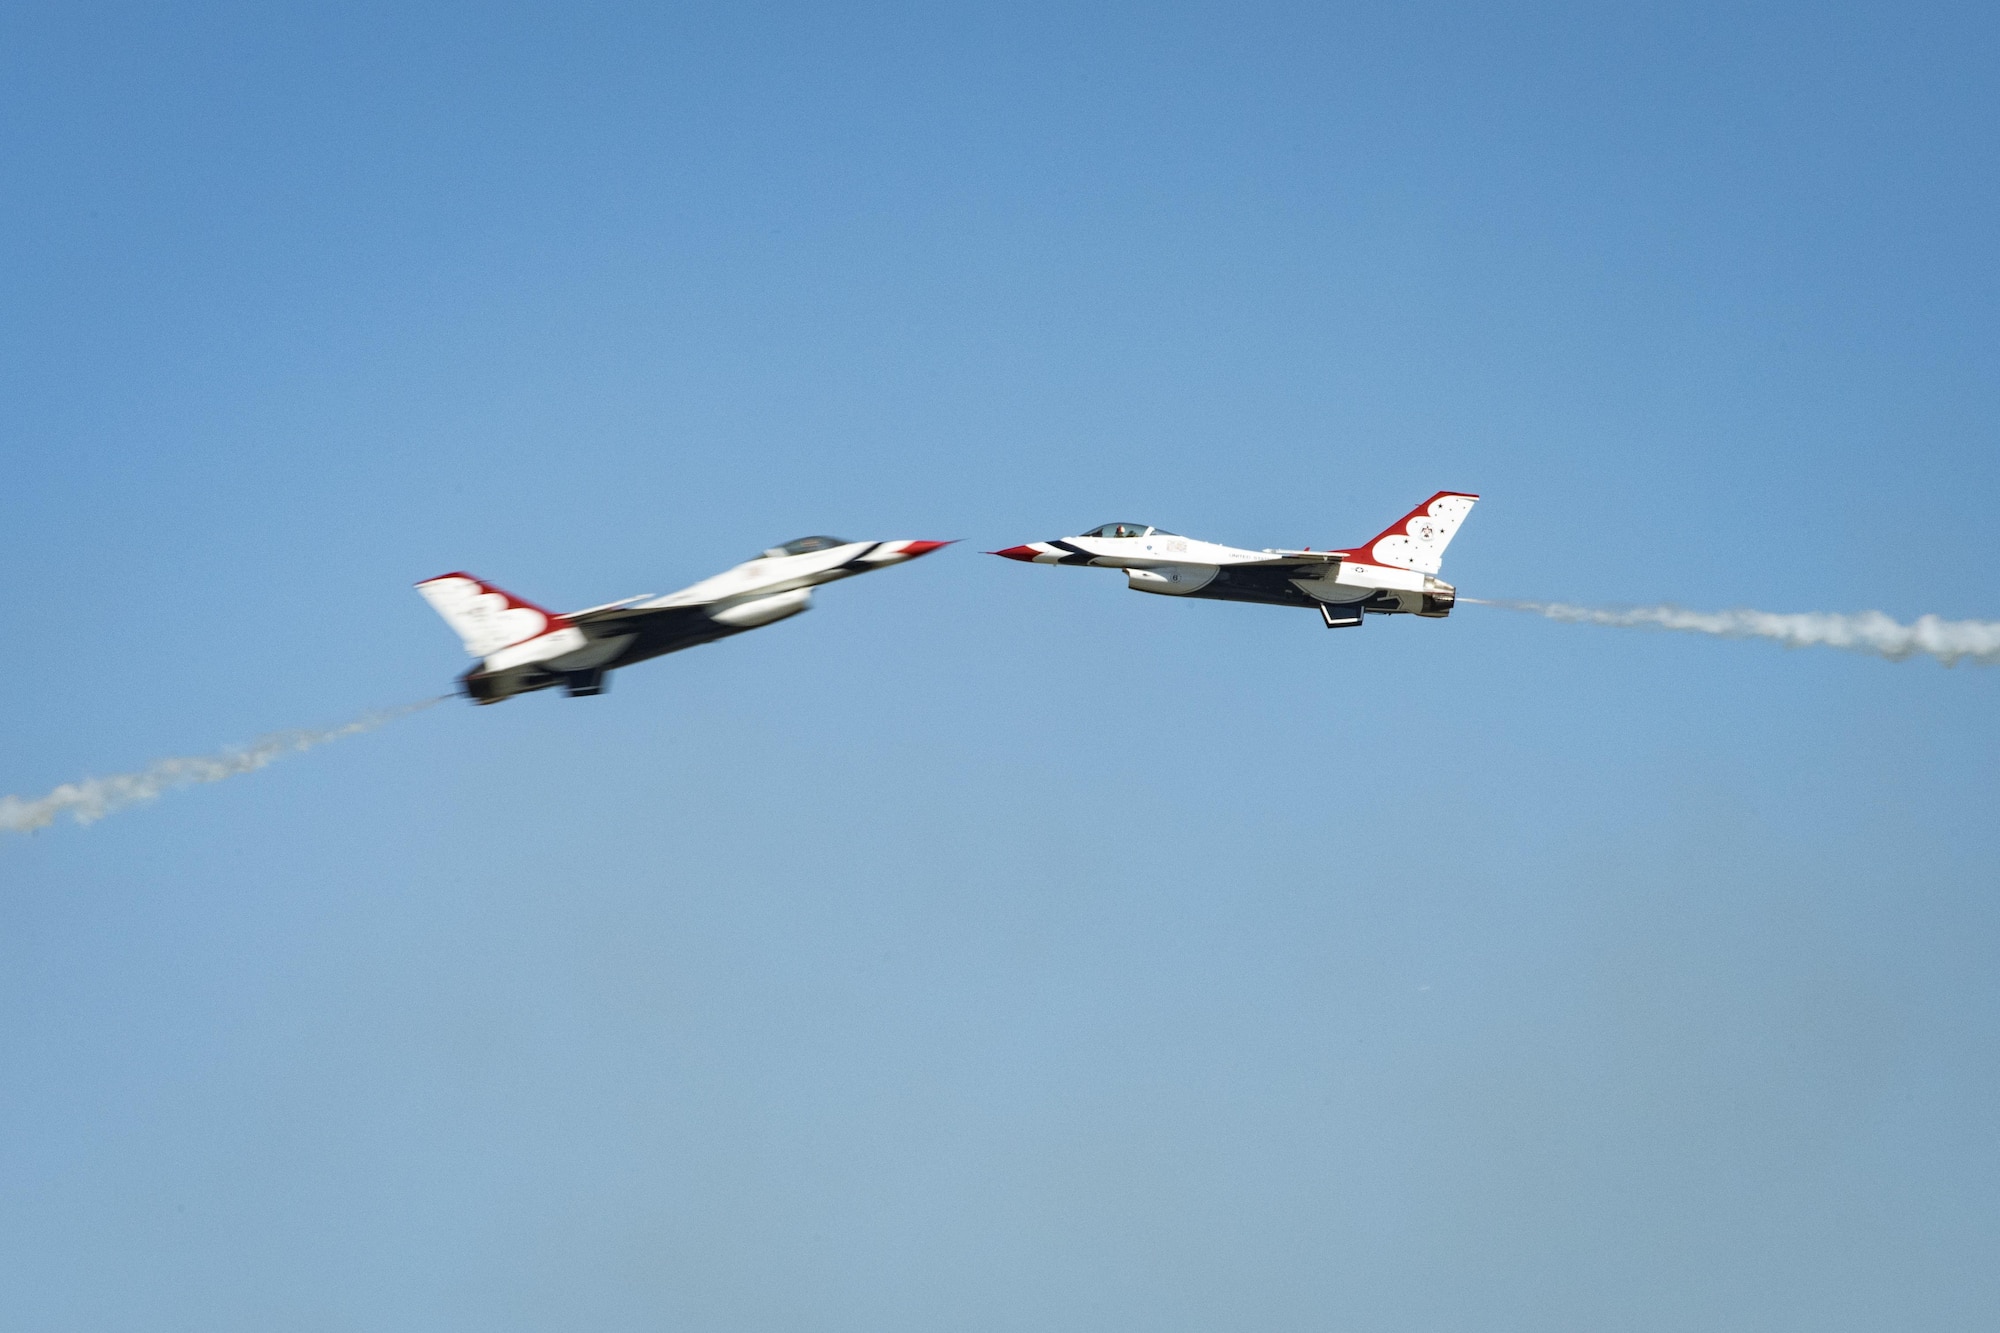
x,y
1340,615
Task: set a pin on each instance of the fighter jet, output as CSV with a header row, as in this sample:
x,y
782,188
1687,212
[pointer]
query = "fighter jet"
x,y
1394,573
521,647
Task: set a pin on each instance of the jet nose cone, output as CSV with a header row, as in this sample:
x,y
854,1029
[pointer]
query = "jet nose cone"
x,y
1017,553
914,549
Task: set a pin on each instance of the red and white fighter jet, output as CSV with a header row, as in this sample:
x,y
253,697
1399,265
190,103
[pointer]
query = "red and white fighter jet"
x,y
521,647
1394,573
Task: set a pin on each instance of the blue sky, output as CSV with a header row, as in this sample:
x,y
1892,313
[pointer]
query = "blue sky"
x,y
992,948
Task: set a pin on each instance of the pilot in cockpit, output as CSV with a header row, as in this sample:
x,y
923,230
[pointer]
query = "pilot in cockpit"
x,y
1123,530
805,546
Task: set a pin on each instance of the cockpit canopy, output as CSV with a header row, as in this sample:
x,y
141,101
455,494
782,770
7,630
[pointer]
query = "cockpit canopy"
x,y
807,545
1126,530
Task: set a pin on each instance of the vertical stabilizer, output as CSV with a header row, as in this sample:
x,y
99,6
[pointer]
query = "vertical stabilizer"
x,y
1417,540
487,618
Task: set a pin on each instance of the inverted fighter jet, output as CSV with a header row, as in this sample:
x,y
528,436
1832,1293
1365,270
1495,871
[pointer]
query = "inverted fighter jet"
x,y
521,647
1394,573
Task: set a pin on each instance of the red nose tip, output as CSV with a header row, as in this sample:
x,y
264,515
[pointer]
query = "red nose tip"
x,y
1017,553
915,549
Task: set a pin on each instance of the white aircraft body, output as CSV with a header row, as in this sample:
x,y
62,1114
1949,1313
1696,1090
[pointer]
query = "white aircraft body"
x,y
521,647
1394,573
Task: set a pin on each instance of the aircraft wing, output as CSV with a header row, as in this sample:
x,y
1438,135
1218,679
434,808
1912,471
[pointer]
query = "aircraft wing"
x,y
616,619
1275,559
652,629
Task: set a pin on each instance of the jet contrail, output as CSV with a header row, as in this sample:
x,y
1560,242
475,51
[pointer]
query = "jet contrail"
x,y
93,798
1949,641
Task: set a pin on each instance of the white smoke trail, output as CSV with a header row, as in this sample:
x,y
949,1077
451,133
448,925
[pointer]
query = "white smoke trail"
x,y
93,798
1949,641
